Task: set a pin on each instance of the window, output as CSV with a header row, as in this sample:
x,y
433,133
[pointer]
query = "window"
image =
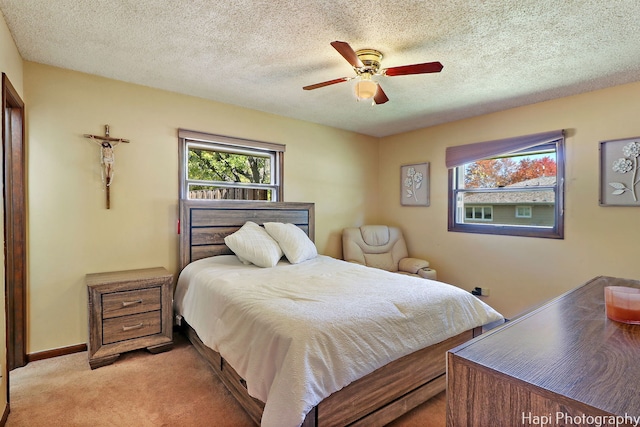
x,y
512,186
478,213
219,167
523,212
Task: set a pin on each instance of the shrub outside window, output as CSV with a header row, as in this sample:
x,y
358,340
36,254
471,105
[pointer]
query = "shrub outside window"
x,y
511,187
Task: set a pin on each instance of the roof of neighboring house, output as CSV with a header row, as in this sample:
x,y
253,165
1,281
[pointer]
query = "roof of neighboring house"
x,y
517,197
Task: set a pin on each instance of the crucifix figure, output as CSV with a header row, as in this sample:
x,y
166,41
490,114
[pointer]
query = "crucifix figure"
x,y
107,158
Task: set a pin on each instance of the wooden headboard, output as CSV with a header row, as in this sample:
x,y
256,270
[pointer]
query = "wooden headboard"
x,y
204,223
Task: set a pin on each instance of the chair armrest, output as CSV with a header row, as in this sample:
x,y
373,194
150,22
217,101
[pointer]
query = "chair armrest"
x,y
412,265
428,273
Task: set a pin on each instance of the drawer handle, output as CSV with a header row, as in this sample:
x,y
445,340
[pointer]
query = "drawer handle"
x,y
128,303
129,328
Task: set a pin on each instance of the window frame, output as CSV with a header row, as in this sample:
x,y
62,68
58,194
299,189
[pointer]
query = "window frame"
x,y
213,142
501,148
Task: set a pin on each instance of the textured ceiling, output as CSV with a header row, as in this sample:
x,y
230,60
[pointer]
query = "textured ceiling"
x,y
259,54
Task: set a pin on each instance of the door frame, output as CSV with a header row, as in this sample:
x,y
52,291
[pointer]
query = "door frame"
x,y
15,227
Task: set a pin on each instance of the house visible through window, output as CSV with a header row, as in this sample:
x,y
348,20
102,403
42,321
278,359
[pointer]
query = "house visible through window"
x,y
220,167
512,186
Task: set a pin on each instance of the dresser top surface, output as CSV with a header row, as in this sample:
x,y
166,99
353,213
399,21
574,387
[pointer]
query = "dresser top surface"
x,y
94,279
569,346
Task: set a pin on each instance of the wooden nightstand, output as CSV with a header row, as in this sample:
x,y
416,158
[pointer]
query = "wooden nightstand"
x,y
129,310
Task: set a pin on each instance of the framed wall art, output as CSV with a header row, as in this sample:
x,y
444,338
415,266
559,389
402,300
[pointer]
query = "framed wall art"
x,y
414,181
619,174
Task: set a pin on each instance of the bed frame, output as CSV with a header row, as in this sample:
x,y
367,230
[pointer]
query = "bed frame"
x,y
373,400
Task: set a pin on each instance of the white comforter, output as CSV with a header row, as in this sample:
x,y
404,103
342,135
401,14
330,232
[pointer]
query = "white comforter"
x,y
298,333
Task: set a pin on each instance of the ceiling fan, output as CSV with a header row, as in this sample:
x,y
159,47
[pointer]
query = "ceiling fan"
x,y
366,63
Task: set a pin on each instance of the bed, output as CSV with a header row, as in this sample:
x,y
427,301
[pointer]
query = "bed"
x,y
356,383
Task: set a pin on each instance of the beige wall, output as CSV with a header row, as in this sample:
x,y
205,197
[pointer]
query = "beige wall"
x,y
353,180
523,272
71,232
10,59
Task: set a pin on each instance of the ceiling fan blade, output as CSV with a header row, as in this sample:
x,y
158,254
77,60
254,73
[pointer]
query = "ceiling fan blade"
x,y
427,67
348,53
380,97
327,83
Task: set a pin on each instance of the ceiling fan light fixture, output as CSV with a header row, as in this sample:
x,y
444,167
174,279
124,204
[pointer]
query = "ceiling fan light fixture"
x,y
365,88
366,64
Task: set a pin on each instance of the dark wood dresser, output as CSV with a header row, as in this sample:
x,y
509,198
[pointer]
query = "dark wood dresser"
x,y
565,361
129,310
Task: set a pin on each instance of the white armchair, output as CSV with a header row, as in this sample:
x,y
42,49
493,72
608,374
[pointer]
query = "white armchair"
x,y
384,247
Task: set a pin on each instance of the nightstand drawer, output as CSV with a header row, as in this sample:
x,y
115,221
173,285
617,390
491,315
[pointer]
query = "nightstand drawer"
x,y
133,326
130,302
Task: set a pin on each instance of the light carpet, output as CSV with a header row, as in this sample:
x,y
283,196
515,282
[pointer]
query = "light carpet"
x,y
176,388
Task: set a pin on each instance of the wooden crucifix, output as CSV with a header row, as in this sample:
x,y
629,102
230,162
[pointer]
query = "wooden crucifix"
x,y
107,158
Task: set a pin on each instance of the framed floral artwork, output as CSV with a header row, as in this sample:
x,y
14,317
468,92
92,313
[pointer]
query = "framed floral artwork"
x,y
414,189
619,174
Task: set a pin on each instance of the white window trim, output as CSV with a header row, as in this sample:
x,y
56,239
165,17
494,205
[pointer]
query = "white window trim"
x,y
529,209
483,209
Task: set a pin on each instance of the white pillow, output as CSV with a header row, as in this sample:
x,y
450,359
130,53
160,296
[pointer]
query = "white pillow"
x,y
252,243
294,242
